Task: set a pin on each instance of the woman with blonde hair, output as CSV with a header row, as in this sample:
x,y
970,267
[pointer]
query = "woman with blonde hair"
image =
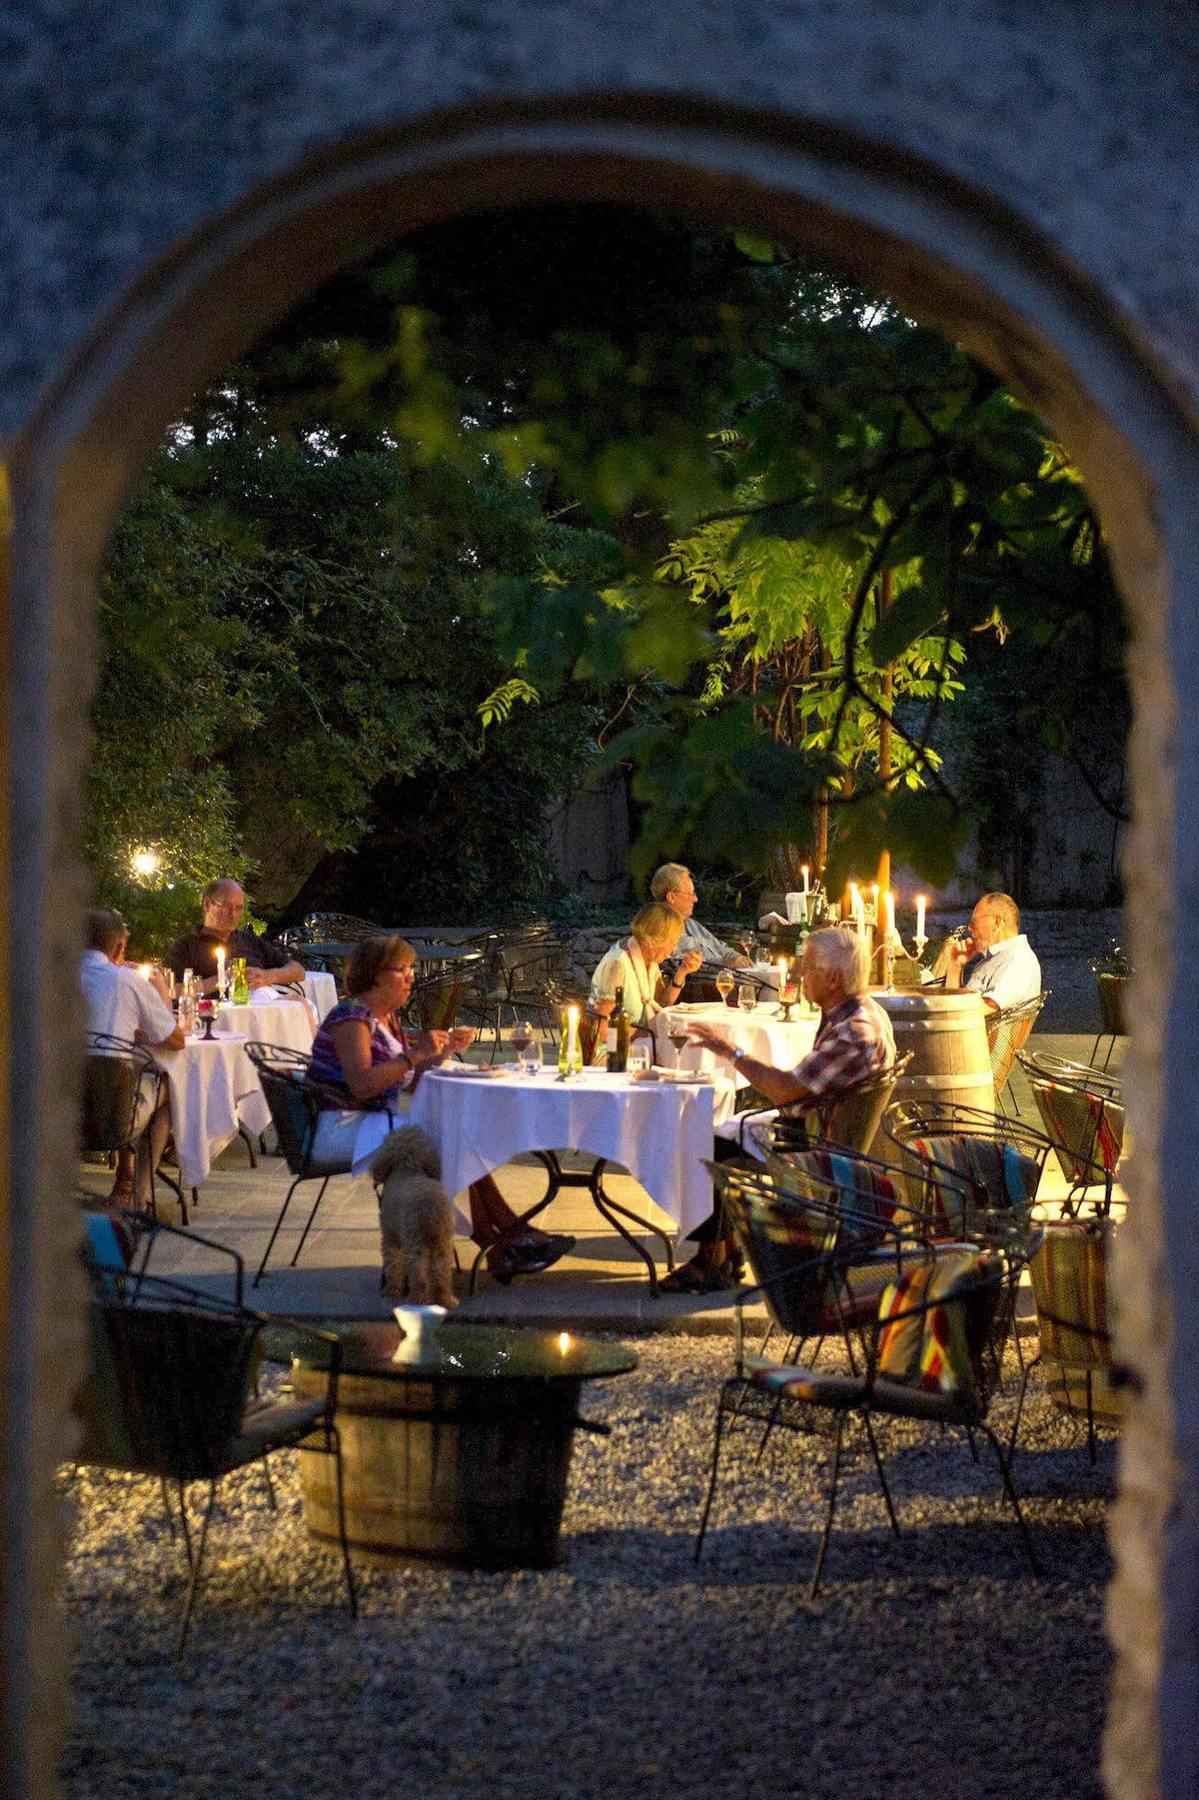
x,y
634,966
363,1050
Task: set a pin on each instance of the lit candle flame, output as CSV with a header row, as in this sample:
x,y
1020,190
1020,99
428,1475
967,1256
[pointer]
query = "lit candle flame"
x,y
565,1342
144,970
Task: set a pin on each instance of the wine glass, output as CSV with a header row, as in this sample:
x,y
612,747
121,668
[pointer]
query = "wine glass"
x,y
747,944
680,1039
725,985
524,1041
746,998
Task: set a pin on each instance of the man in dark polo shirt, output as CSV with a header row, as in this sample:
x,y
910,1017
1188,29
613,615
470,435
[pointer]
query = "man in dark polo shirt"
x,y
223,904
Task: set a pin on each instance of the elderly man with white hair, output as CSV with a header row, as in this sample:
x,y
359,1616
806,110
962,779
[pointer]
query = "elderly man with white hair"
x,y
853,1041
996,958
674,886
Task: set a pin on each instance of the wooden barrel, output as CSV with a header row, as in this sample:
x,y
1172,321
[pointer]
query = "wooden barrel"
x,y
469,1474
946,1034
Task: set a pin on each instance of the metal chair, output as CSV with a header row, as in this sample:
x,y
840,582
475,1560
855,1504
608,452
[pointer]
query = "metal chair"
x,y
170,1395
1069,1284
851,1119
1082,1111
123,1088
296,1104
998,1160
932,1355
1007,1033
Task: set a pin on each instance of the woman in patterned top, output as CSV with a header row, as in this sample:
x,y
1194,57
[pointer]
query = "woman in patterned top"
x,y
363,1050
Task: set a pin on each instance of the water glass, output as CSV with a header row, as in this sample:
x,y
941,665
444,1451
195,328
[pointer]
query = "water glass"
x,y
640,1055
746,998
528,1056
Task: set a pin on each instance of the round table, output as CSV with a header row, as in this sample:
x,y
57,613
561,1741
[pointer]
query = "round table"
x,y
455,1448
288,1023
214,1092
760,1033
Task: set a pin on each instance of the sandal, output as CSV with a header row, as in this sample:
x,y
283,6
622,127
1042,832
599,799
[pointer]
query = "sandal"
x,y
692,1278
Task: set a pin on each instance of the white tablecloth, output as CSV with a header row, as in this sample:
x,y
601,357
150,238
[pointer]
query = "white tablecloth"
x,y
657,1131
321,989
213,1090
760,1033
285,1022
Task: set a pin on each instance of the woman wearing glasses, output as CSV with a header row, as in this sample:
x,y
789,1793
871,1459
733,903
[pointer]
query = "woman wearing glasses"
x,y
363,1051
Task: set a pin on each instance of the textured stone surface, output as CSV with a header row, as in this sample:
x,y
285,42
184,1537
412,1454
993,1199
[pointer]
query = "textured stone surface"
x,y
124,127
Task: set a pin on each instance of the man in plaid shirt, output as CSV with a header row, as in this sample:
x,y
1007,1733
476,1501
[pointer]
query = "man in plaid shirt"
x,y
854,1038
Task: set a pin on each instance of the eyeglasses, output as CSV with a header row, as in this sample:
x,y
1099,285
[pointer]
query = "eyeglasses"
x,y
397,968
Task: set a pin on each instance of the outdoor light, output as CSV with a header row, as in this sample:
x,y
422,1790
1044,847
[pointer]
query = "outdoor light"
x,y
145,862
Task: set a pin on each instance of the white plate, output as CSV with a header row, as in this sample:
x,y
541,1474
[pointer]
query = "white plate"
x,y
468,1071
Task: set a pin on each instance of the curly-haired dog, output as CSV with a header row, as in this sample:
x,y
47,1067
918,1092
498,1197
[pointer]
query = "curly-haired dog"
x,y
416,1219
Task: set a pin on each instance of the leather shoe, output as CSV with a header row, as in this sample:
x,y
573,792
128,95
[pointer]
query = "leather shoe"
x,y
528,1256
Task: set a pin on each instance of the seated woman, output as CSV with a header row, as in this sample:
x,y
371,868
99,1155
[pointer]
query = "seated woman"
x,y
363,1050
633,965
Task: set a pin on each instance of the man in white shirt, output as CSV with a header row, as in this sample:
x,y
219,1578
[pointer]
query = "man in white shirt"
x,y
673,885
122,1004
1004,970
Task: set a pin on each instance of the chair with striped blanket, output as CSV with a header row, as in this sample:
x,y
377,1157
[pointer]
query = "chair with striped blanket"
x,y
933,1354
1069,1284
1082,1111
995,1162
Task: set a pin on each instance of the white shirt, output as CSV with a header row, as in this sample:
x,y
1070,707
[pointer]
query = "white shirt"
x,y
1007,973
625,967
119,1001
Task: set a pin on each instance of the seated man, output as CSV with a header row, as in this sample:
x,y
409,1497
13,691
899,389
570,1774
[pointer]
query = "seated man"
x,y
123,1005
997,959
223,903
672,884
853,1041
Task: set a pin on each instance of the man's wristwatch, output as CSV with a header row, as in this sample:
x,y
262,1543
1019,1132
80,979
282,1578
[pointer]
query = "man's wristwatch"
x,y
738,1053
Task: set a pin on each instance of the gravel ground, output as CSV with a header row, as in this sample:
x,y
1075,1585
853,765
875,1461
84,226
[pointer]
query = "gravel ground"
x,y
925,1668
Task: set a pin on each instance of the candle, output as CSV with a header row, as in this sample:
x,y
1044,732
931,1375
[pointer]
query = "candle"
x,y
889,911
920,904
220,970
804,872
782,975
857,909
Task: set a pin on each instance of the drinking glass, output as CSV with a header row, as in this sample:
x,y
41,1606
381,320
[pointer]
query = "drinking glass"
x,y
640,1053
746,998
680,1040
529,1057
724,986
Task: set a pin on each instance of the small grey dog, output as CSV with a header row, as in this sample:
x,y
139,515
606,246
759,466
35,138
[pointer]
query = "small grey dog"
x,y
416,1219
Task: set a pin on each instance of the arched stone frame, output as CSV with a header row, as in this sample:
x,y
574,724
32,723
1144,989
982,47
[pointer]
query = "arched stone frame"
x,y
960,262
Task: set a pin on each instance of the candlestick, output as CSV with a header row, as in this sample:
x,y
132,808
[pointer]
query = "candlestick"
x,y
921,939
220,970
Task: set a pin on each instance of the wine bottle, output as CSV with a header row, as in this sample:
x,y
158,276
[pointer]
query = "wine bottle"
x,y
624,1034
613,1033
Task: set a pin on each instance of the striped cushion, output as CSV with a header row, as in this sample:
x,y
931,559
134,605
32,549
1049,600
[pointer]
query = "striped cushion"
x,y
1069,1280
923,1324
983,1166
865,1195
1085,1128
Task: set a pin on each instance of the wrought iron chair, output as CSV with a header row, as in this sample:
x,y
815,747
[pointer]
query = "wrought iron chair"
x,y
852,1118
932,1354
998,1160
526,978
296,1103
1069,1284
1082,1111
122,1090
170,1395
1007,1033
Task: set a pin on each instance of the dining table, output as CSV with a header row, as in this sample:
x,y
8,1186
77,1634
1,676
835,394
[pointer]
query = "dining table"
x,y
762,1033
270,1016
657,1128
214,1093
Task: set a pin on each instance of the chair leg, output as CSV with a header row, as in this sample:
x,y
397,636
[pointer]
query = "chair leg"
x,y
308,1227
193,1585
166,1505
351,1590
1010,1491
970,1438
882,1479
248,1141
188,1550
1090,1419
832,1507
705,1515
1028,1369
270,1486
770,1425
274,1234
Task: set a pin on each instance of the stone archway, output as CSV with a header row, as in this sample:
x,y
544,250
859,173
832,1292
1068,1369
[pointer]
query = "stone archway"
x,y
961,262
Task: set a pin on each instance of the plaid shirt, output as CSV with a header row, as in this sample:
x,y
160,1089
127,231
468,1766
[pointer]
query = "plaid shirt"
x,y
854,1040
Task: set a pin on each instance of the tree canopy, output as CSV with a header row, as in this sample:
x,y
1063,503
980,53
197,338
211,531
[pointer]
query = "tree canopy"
x,y
541,484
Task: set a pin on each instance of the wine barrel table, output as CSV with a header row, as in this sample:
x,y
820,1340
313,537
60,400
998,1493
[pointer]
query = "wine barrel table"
x,y
946,1033
455,1448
